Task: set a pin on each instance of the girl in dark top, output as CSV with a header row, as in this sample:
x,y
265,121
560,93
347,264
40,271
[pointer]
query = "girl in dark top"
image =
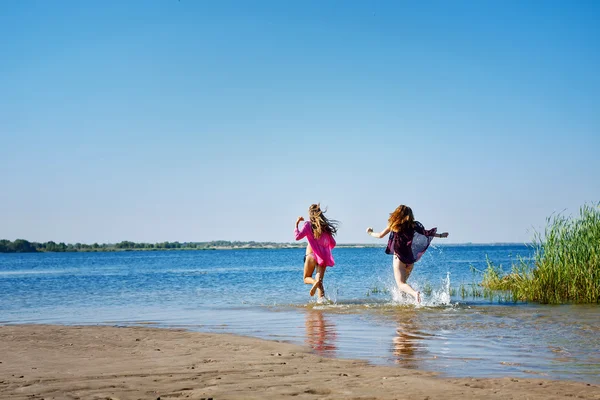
x,y
408,242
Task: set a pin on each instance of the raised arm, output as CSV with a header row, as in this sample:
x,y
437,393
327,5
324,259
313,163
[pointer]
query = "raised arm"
x,y
380,234
300,234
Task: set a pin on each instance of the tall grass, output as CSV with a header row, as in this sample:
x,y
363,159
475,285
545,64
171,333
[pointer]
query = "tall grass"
x,y
566,266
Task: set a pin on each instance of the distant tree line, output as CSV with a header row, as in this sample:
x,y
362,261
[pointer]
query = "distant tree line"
x,y
24,246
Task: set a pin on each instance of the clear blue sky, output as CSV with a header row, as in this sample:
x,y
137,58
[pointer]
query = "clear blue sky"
x,y
196,120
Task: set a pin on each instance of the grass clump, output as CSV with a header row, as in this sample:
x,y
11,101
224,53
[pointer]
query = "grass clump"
x,y
377,290
566,264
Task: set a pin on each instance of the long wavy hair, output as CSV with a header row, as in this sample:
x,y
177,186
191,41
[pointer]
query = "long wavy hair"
x,y
320,223
402,219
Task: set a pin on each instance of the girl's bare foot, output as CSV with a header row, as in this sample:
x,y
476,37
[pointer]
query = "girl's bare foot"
x,y
321,291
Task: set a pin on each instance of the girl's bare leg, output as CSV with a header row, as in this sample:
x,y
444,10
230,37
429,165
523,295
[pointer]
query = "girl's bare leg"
x,y
409,269
318,282
401,274
309,267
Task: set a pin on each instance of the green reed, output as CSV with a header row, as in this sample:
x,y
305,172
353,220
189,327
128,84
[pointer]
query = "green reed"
x,y
375,290
471,290
427,289
566,266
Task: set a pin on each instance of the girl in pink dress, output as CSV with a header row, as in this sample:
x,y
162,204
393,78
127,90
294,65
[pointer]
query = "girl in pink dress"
x,y
319,231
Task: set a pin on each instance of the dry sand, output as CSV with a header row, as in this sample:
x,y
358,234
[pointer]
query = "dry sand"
x,y
100,362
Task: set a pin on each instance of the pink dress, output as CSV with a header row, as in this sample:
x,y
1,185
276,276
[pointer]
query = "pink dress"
x,y
321,247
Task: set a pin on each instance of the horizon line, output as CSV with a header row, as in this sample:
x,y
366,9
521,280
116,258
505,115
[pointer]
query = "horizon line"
x,y
263,242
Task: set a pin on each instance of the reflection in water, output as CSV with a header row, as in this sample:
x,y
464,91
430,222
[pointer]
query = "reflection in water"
x,y
407,345
320,333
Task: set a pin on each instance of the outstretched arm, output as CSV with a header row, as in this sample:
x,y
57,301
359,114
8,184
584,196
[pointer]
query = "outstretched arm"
x,y
429,232
378,235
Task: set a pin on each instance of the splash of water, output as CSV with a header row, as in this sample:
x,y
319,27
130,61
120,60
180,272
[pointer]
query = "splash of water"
x,y
438,297
401,298
441,296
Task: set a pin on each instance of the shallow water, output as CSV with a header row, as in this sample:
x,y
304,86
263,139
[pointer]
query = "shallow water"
x,y
260,293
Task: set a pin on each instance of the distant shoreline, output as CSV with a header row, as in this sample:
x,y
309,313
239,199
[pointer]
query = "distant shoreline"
x,y
24,246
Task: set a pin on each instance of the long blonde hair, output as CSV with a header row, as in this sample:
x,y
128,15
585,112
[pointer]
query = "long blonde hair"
x,y
401,219
319,221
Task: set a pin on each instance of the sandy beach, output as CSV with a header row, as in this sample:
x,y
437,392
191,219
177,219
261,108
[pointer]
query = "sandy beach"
x,y
102,362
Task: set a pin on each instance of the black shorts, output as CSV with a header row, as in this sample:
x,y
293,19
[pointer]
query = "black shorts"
x,y
311,254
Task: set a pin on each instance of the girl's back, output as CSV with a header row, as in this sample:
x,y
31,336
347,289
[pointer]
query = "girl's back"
x,y
321,246
411,243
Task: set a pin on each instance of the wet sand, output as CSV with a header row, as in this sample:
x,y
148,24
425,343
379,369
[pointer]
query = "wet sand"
x,y
101,362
